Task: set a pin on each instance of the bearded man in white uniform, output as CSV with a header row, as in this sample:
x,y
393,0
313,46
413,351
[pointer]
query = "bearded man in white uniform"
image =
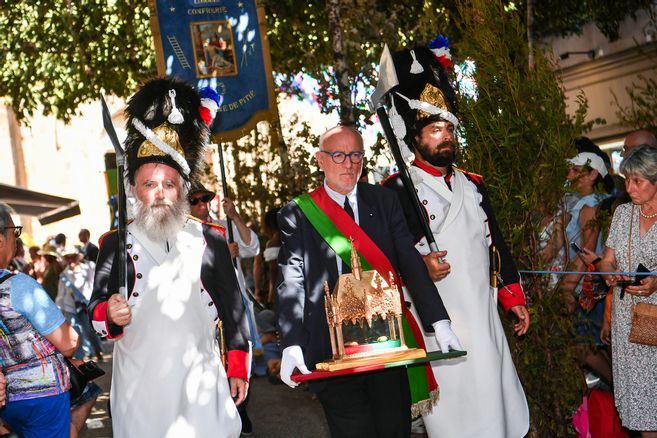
x,y
480,394
168,379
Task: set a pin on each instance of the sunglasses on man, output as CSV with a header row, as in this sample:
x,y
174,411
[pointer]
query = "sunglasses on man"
x,y
205,198
17,230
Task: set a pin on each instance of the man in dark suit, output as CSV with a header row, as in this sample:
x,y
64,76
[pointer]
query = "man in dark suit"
x,y
88,249
375,404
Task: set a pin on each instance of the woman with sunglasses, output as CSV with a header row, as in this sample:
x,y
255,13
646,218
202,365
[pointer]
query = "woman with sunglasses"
x,y
36,337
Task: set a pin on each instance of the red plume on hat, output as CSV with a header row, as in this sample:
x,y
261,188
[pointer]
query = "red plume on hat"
x,y
210,104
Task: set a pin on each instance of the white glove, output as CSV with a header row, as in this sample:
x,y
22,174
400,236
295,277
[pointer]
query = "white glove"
x,y
292,358
445,336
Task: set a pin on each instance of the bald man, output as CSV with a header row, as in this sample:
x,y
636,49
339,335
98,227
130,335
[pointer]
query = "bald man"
x,y
638,138
376,404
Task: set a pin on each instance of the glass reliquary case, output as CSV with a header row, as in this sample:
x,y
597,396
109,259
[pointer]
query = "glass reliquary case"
x,y
364,315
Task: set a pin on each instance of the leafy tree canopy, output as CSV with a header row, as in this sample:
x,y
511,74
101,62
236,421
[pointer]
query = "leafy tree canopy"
x,y
563,18
57,54
300,42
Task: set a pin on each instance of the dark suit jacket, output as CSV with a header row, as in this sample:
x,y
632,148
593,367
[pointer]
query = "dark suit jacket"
x,y
90,252
306,261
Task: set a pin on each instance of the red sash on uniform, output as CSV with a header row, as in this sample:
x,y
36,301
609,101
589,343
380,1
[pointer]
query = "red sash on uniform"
x,y
424,389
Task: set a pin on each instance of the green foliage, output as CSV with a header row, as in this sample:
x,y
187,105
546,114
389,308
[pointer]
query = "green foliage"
x,y
60,53
299,40
266,171
563,18
518,134
57,54
642,112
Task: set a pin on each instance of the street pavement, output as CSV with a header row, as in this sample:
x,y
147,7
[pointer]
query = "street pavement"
x,y
276,411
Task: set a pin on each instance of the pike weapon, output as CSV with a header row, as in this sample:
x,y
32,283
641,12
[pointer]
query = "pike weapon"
x,y
229,223
224,189
121,207
378,102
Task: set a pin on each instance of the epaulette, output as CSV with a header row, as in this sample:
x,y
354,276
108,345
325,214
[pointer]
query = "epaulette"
x,y
101,238
194,218
217,227
220,228
476,178
388,178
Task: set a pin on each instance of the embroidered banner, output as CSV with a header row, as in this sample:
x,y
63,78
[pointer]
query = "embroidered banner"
x,y
222,44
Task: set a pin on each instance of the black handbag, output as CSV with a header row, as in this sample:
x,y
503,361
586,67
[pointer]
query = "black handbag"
x,y
78,381
82,375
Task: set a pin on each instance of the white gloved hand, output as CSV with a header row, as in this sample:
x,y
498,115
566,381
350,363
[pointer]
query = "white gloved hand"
x,y
292,358
445,336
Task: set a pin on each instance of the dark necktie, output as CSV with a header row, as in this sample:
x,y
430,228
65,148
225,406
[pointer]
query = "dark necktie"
x,y
347,207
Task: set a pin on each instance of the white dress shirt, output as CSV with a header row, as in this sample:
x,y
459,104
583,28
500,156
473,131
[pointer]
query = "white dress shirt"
x,y
339,199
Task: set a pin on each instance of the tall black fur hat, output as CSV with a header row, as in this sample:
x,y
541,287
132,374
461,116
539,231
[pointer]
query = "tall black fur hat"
x,y
424,92
165,126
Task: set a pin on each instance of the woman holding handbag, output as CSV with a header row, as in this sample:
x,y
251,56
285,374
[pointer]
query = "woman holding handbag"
x,y
632,245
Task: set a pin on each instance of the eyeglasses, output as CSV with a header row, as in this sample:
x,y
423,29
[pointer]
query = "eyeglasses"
x,y
17,230
626,149
205,198
339,157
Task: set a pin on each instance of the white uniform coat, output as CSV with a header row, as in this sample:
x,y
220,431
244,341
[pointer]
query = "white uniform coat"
x,y
168,380
480,394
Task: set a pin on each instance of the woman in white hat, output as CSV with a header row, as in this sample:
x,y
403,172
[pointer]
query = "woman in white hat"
x,y
589,178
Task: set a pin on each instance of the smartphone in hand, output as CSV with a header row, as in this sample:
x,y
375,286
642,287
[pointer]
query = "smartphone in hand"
x,y
639,276
575,247
633,281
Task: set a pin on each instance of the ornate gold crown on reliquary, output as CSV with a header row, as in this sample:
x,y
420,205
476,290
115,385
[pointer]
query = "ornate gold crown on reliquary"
x,y
364,315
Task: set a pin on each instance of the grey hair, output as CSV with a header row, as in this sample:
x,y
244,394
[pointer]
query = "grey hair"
x,y
5,215
641,162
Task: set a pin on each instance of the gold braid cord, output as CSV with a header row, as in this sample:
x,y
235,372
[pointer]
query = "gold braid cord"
x,y
425,406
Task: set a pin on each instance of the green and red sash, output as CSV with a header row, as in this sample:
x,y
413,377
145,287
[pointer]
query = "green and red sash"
x,y
333,223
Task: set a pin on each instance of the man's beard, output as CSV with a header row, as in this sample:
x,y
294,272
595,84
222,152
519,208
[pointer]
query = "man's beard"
x,y
161,220
438,157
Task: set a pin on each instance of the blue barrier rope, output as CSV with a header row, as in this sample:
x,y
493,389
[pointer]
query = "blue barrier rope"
x,y
630,274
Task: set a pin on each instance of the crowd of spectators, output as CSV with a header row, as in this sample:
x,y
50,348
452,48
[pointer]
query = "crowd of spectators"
x,y
604,223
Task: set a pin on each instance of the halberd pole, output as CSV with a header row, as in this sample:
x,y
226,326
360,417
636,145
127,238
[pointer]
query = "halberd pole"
x,y
122,206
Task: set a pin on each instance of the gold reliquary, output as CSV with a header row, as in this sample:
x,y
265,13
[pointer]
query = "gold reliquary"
x,y
364,315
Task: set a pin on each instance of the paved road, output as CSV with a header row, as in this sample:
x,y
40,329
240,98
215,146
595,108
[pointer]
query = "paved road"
x,y
275,410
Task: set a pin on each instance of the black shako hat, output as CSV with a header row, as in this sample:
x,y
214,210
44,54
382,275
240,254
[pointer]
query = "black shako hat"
x,y
424,92
164,126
